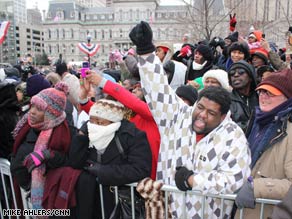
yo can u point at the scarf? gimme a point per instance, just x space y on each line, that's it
264 126
38 174
100 136
197 66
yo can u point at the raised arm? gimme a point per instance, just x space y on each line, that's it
121 94
161 98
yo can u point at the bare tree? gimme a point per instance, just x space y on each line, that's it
204 20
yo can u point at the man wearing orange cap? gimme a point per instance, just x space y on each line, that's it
270 137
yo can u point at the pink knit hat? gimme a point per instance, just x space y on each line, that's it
52 101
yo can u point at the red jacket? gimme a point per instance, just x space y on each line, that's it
143 118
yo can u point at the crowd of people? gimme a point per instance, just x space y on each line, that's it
214 116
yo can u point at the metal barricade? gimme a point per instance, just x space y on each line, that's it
10 200
7 190
172 189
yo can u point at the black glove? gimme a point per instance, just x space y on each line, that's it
245 197
93 168
141 35
181 178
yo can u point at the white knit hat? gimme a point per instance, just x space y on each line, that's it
108 109
220 75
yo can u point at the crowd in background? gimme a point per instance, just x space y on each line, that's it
141 116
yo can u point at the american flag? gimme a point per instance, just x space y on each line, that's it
3 30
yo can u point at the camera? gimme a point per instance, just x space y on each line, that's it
85 67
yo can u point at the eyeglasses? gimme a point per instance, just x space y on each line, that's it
240 71
265 92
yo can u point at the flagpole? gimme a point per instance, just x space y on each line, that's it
88 42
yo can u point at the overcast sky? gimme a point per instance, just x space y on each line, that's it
43 4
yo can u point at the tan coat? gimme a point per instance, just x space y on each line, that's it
272 174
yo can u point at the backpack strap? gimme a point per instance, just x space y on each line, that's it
119 146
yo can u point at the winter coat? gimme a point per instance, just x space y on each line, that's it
24 144
223 172
143 118
276 61
117 169
273 170
242 107
8 117
284 209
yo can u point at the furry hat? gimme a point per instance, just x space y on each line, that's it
220 75
242 47
108 109
205 51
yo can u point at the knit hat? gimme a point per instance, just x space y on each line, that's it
243 64
281 80
233 37
248 68
220 75
205 51
52 101
261 53
35 84
187 92
108 109
242 47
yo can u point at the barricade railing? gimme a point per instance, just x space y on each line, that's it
10 200
7 191
173 189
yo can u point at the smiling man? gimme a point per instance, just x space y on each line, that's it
201 147
244 98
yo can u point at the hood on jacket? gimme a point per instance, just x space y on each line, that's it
249 69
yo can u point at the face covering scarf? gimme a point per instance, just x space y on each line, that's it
100 136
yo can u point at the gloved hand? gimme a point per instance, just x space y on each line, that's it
232 22
141 35
35 159
185 51
93 168
245 197
217 41
181 178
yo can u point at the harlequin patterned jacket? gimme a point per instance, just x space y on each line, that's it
220 160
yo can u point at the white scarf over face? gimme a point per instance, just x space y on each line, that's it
197 66
100 136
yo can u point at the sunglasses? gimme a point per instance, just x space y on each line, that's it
265 93
240 71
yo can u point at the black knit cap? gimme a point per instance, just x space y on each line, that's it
233 37
248 68
206 52
187 92
281 80
243 47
